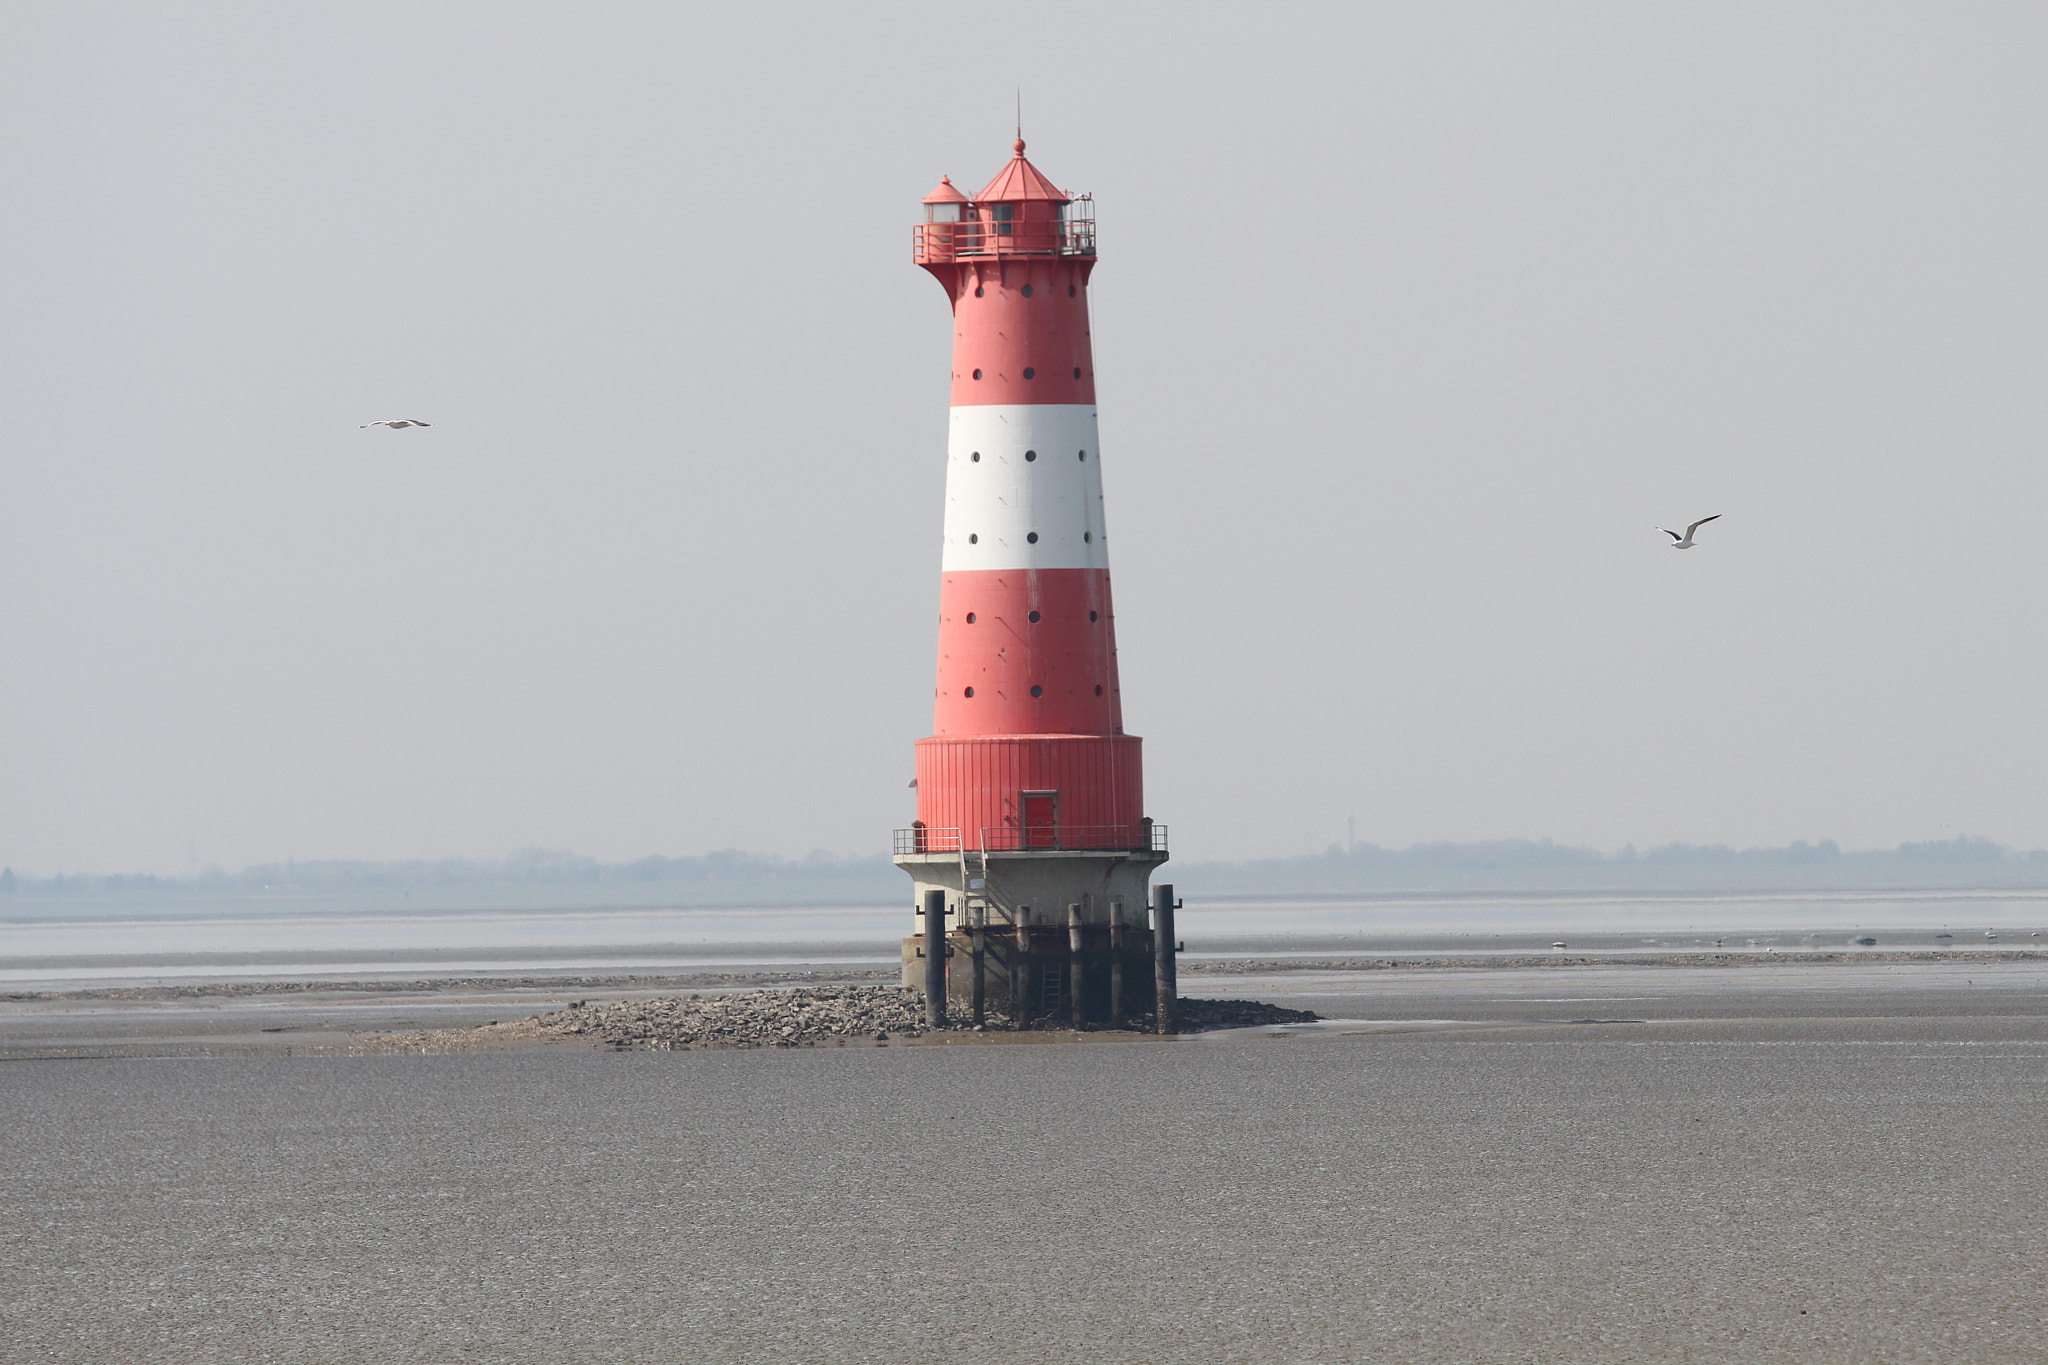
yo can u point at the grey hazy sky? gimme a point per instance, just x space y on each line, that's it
1411 321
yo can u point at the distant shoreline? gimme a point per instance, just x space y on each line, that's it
1249 965
1509 961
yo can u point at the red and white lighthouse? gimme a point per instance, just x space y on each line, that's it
1030 796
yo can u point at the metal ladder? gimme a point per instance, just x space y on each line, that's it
1052 984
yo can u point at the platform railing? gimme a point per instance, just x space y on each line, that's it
1073 235
1139 838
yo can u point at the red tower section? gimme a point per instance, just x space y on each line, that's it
1028 749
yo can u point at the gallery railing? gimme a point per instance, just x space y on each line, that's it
1143 837
1071 235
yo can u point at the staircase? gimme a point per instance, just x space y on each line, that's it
977 897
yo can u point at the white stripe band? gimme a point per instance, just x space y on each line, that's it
1018 470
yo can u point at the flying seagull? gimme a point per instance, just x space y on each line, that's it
1685 541
397 422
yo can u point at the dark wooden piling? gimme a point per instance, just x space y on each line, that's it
1116 964
977 938
935 958
1165 973
1020 970
1077 974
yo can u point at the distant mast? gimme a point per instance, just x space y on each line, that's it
1030 796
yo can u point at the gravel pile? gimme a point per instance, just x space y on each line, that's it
802 1017
789 1018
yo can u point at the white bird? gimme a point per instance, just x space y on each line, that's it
1685 541
395 423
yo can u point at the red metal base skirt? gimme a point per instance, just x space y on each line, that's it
1033 791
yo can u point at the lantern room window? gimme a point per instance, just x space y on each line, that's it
942 213
999 214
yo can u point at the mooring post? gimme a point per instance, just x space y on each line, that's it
1116 963
935 958
978 938
1020 970
1165 975
1077 975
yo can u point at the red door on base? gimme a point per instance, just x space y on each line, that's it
1041 819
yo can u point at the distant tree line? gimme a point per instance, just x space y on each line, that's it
527 866
1509 863
1337 866
1508 854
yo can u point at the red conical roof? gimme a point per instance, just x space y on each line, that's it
945 193
1019 180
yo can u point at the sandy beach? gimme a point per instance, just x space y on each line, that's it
1811 1161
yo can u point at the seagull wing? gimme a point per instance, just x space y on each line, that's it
1669 532
1701 522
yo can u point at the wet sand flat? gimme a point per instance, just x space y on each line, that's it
283 1016
1779 990
240 1018
1760 1170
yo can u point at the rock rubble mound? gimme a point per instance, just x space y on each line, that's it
801 1017
785 1018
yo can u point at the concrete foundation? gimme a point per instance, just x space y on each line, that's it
1020 903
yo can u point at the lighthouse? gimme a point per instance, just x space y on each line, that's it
1032 853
